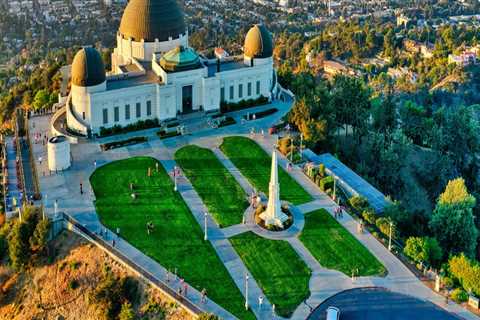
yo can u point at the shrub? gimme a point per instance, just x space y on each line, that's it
467 272
73 284
139 125
369 215
448 282
208 316
18 246
122 143
74 265
155 309
326 183
321 170
126 313
423 250
358 203
284 145
383 224
459 295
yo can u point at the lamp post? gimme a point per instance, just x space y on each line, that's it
301 145
205 222
246 291
292 148
390 237
175 178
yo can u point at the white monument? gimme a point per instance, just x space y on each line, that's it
274 215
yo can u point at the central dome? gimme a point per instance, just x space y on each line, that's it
152 19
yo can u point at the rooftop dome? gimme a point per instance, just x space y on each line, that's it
88 68
152 19
258 42
180 59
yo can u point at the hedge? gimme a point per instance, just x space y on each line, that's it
139 125
326 183
242 104
122 143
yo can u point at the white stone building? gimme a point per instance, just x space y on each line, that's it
156 75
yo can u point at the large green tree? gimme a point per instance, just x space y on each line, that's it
452 220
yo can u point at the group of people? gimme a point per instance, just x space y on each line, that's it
338 212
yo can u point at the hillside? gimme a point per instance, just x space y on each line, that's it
63 289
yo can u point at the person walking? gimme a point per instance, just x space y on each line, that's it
204 295
260 302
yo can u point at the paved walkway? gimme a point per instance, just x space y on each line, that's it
65 186
13 192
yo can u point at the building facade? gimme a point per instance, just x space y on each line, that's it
156 75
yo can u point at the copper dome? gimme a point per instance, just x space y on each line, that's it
152 19
88 68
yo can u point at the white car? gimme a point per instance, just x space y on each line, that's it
333 313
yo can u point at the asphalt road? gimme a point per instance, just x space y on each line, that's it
380 304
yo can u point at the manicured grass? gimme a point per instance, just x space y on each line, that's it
277 268
335 248
177 239
255 165
220 192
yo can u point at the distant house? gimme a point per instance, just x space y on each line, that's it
220 53
333 68
426 50
467 57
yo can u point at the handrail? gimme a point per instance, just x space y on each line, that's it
184 301
36 183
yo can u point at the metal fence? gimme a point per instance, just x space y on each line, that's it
110 249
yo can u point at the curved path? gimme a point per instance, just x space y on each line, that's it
380 304
324 282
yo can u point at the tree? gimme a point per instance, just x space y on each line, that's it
423 250
38 241
18 247
452 220
126 313
41 99
466 271
384 115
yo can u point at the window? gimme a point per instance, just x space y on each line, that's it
127 112
240 90
105 116
83 115
138 108
231 93
258 87
222 94
116 114
249 89
149 108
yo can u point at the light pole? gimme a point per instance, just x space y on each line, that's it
301 145
292 148
175 178
334 189
205 222
390 237
246 291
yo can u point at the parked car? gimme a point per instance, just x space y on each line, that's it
333 313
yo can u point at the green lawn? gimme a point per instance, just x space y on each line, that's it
335 248
279 271
255 165
219 190
177 241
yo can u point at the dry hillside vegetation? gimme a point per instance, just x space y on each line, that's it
66 287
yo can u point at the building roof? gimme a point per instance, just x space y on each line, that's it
88 68
180 59
152 19
258 42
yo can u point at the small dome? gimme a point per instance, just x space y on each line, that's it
88 68
152 19
258 42
180 59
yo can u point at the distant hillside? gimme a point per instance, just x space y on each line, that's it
64 288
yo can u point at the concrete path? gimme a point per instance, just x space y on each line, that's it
13 192
65 188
